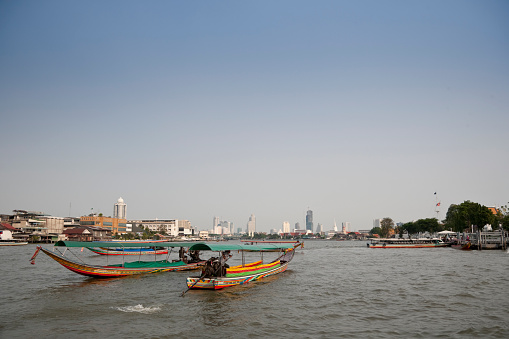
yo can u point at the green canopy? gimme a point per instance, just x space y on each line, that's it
240 247
123 244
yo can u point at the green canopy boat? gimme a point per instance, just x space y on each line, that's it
126 268
216 274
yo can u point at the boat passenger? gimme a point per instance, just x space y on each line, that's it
195 256
223 259
182 253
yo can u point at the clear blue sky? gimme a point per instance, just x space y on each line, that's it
194 109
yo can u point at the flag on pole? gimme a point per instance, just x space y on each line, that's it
438 204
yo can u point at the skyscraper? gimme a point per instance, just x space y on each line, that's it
309 221
286 227
251 225
319 228
120 209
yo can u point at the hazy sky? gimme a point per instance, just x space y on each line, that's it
194 109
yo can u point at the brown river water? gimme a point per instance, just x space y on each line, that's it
332 289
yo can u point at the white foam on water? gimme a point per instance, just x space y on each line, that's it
139 309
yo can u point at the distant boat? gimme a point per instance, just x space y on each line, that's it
12 243
123 247
128 251
406 243
464 247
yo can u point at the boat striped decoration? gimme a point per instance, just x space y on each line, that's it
256 263
242 271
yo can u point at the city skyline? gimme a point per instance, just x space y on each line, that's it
189 110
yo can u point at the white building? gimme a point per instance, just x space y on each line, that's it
286 227
171 227
251 225
120 209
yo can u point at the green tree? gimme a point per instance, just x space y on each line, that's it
387 225
505 222
502 218
464 216
430 225
376 230
410 227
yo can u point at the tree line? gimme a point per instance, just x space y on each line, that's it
465 217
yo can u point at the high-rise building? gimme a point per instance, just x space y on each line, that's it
251 225
377 222
226 227
309 221
120 209
297 226
286 227
215 222
319 228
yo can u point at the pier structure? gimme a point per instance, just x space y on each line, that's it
495 240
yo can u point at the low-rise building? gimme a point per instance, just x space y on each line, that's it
170 227
87 233
116 226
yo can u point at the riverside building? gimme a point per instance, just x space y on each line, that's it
172 227
115 225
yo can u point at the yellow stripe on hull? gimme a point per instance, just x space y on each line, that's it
222 282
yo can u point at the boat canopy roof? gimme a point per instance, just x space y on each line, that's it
446 232
241 247
118 244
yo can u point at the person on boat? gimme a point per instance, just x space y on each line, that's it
224 258
182 253
222 261
212 268
195 256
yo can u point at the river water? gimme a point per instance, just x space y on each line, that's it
332 289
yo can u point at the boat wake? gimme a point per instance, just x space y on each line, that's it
139 309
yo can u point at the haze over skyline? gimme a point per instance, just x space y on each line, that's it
188 110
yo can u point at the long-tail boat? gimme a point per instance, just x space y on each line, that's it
216 274
464 247
123 269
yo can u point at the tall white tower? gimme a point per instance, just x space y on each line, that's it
286 227
120 209
251 225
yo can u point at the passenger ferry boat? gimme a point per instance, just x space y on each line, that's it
406 243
